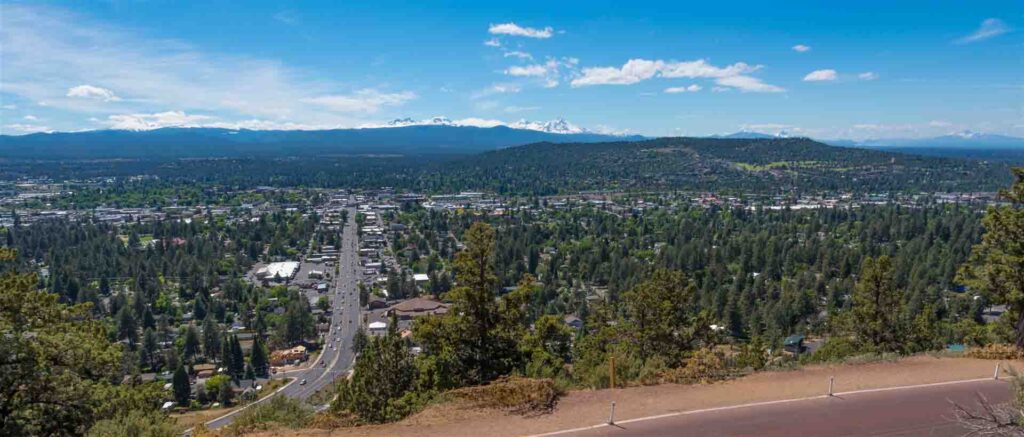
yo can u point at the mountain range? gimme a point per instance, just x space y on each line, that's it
406 136
403 136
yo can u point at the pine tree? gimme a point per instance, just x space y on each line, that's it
258 359
190 348
236 365
996 265
876 308
182 389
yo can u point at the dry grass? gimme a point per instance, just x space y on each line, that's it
996 352
523 396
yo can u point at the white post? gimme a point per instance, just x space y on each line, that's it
611 417
996 375
831 384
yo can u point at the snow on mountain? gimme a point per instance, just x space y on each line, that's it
556 126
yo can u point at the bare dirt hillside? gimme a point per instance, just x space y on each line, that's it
590 407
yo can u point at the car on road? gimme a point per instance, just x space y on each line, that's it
303 382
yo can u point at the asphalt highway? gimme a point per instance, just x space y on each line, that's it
337 360
919 411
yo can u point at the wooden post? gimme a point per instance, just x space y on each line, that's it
611 371
831 383
996 375
611 416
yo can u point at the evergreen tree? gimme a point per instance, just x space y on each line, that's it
190 347
258 359
211 338
876 307
182 389
382 377
996 265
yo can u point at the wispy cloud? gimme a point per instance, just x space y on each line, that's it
821 76
288 17
513 29
683 89
801 48
364 101
989 28
868 75
79 65
516 109
518 54
527 70
638 70
493 42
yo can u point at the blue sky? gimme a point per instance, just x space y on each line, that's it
862 70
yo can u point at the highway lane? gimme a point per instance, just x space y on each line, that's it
919 411
344 321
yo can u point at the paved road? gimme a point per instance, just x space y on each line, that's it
923 411
344 321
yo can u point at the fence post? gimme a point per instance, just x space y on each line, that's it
996 375
611 416
831 384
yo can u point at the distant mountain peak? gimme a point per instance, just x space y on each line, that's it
555 126
967 134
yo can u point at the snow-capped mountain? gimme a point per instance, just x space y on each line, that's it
556 126
752 135
963 139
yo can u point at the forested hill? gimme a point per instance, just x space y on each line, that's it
713 164
768 165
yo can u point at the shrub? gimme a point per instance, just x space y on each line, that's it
835 349
135 423
525 396
278 411
704 366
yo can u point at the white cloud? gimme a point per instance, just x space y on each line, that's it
701 68
528 70
92 92
30 117
801 48
637 70
493 42
515 30
820 75
868 75
9 106
156 120
989 28
633 71
364 101
683 89
518 54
